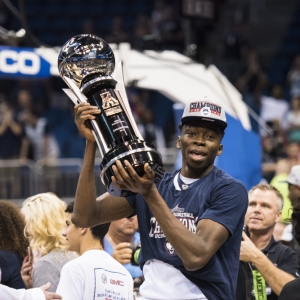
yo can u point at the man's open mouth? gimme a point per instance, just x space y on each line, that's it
197 154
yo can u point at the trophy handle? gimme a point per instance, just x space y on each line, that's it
95 128
121 94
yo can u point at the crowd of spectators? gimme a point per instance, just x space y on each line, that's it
277 106
36 119
274 108
39 239
40 247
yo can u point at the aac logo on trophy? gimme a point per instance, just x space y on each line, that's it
110 105
86 64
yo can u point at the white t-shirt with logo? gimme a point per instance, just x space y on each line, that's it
95 275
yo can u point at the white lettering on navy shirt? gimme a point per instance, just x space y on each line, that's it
186 218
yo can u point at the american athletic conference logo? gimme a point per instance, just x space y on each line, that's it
109 104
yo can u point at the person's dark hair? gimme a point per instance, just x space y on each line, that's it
196 123
296 220
98 231
70 208
12 226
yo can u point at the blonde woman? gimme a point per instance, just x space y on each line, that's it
45 220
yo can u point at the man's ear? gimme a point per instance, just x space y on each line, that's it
83 231
278 216
178 144
220 150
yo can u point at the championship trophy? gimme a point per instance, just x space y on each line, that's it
86 64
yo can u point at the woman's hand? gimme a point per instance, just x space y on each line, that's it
26 272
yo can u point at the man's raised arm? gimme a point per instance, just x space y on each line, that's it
87 211
85 208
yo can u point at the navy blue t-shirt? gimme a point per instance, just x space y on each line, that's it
10 265
218 197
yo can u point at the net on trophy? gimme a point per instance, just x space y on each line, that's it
86 64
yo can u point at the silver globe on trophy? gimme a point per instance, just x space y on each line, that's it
86 64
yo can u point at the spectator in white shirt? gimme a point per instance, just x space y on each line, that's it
274 107
95 274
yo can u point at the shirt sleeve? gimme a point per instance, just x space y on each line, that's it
7 293
289 262
71 283
44 272
290 291
227 206
131 200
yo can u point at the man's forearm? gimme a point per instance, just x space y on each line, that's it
85 198
193 249
275 277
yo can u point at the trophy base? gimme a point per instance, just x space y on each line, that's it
137 153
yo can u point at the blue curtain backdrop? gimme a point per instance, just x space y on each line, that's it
241 157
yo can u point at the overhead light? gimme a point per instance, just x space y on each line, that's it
10 37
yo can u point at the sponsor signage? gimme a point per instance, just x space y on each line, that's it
22 62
